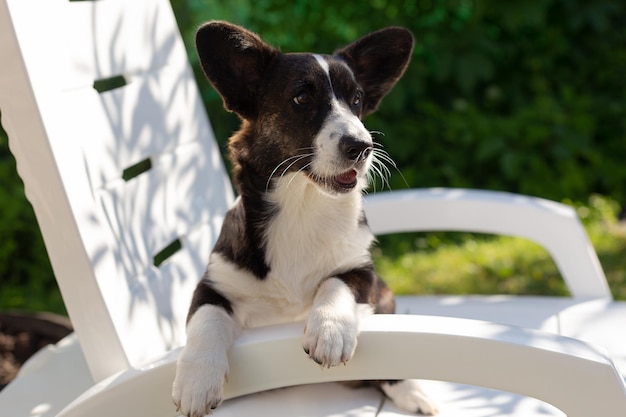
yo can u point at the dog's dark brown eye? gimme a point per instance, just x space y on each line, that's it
302 99
356 100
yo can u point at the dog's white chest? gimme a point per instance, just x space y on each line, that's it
313 235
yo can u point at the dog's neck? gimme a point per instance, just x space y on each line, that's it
312 229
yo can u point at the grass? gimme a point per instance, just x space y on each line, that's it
453 263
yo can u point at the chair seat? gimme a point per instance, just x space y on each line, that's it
334 399
593 321
58 374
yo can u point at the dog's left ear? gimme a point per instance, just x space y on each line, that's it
378 60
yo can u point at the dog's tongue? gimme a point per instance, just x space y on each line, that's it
347 178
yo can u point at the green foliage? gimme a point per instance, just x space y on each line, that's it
523 96
26 278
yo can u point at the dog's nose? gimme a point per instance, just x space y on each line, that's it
353 148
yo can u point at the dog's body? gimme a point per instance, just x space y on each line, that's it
295 246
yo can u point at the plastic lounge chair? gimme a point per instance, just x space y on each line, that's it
129 189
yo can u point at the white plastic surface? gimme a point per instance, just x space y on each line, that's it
554 226
567 373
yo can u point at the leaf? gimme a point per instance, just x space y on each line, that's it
472 68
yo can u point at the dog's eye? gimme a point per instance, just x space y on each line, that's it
302 98
356 100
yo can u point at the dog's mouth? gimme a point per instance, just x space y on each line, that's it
342 183
347 179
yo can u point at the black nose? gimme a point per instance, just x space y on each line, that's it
354 149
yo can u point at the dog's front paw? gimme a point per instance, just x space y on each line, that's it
408 396
199 384
330 340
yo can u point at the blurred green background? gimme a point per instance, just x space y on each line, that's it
526 96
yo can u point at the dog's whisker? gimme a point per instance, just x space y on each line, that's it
377 174
308 148
300 170
296 159
384 155
371 179
385 168
383 174
380 163
363 154
295 162
378 149
276 169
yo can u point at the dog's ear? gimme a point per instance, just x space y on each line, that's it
378 60
234 60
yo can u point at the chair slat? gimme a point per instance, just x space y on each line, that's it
174 197
117 129
157 321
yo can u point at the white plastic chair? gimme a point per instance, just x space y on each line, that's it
129 189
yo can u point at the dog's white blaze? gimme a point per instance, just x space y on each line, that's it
320 60
340 122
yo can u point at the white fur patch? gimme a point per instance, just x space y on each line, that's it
408 396
202 366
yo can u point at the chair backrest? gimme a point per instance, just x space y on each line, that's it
119 162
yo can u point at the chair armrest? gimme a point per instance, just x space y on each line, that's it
565 372
552 225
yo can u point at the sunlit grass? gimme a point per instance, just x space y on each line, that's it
438 263
502 265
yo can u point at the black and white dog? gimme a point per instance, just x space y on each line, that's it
296 245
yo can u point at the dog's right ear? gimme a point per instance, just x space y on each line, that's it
378 61
234 60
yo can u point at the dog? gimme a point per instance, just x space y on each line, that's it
295 246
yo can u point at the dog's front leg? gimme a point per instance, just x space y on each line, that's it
202 366
332 327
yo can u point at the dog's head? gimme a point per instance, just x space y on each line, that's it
302 112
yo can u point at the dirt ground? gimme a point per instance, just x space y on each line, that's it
23 334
